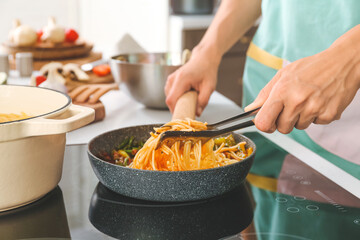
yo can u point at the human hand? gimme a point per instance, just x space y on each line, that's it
200 74
315 89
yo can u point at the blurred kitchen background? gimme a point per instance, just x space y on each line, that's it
118 26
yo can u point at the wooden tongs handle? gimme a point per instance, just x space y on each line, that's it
186 105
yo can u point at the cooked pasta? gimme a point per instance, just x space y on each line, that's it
188 154
7 117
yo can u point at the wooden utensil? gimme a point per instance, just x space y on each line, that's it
91 93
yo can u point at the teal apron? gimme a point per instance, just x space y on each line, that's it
291 30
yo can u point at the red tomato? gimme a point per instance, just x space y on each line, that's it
102 70
134 151
39 34
71 35
40 79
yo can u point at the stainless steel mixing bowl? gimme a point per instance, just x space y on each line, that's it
143 75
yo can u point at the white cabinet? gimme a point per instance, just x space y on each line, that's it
179 24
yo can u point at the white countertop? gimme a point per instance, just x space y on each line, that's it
122 111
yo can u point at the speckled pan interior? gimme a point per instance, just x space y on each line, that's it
163 186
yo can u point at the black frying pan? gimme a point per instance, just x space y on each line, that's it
165 186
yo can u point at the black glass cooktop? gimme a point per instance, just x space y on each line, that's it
282 199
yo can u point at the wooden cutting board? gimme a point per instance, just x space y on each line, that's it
50 51
98 107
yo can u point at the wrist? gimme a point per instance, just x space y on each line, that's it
346 52
348 45
348 62
210 53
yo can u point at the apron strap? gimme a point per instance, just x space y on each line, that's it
266 58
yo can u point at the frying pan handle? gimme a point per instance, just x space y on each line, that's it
75 117
186 106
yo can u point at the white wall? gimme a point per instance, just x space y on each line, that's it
36 12
106 21
103 22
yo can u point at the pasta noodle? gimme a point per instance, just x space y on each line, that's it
12 117
187 154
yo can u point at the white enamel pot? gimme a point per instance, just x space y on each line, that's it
32 150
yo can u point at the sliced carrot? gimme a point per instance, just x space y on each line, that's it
102 70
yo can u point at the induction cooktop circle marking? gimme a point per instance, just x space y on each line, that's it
299 198
290 172
293 209
357 221
305 182
296 177
312 207
281 199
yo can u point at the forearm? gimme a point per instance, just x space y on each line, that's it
233 19
347 50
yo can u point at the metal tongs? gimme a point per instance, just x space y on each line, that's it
246 120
